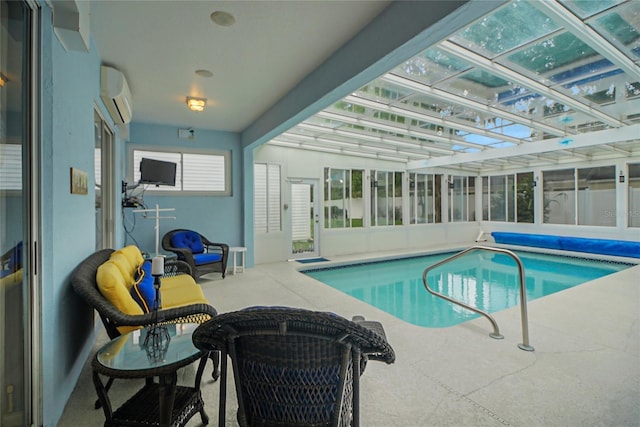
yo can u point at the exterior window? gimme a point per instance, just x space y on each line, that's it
266 198
498 198
508 198
596 196
559 196
195 172
343 202
11 167
386 198
461 198
423 203
524 197
634 195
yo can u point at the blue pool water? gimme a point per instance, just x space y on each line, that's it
485 280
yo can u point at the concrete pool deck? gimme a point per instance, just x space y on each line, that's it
585 370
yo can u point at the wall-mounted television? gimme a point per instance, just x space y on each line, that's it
157 172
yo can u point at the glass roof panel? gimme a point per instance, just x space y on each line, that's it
431 66
509 27
478 85
622 26
586 8
559 58
542 82
382 91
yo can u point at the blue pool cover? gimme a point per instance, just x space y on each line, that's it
622 248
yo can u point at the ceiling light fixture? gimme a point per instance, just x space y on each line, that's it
196 104
224 19
3 80
204 73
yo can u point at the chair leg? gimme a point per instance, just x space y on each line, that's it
215 358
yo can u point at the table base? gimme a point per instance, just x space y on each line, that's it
142 408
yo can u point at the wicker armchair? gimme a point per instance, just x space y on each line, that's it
202 255
292 367
83 280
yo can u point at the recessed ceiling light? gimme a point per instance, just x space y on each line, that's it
224 19
196 104
204 73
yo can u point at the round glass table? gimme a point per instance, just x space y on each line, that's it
152 352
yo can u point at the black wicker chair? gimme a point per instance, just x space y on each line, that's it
83 280
293 367
202 255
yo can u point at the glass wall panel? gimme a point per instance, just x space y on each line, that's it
559 196
471 206
485 198
356 213
498 195
634 195
343 203
511 199
386 198
397 198
525 200
15 144
458 199
597 196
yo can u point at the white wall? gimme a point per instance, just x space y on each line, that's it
295 164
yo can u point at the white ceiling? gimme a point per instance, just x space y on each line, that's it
473 75
159 45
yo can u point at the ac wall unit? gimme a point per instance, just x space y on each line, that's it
115 94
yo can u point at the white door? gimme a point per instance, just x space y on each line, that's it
304 219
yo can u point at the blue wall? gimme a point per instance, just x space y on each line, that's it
70 91
219 218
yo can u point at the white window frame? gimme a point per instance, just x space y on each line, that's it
134 171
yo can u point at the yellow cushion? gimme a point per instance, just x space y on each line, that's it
11 280
116 290
181 290
124 266
132 254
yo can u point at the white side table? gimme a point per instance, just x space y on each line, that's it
235 250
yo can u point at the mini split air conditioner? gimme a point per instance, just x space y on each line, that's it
115 94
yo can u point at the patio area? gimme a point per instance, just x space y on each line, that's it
584 370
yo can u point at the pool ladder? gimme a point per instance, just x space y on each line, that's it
523 293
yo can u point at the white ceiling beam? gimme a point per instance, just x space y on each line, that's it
509 75
466 102
368 138
383 145
608 136
411 130
564 17
431 119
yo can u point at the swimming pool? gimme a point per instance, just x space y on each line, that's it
485 280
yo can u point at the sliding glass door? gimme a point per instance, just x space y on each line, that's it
16 213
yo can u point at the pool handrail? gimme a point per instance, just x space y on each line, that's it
523 293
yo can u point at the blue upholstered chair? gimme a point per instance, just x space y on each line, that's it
202 255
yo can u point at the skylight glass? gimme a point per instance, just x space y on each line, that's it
511 78
586 8
432 66
622 27
511 26
559 58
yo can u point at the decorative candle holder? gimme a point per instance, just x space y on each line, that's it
156 343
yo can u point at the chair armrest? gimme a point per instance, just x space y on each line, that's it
193 313
175 267
377 328
208 242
